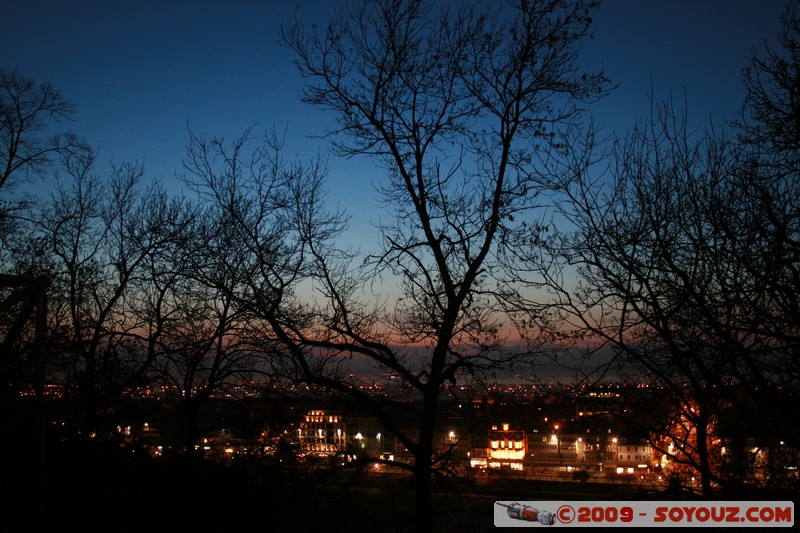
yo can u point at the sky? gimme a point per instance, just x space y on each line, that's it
143 72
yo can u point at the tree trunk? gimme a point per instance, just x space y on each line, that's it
423 495
702 452
423 468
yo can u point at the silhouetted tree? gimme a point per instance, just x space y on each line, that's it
770 117
686 252
249 254
28 111
650 268
768 232
99 236
29 115
461 109
769 228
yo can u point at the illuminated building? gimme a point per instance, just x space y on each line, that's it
507 448
631 455
322 433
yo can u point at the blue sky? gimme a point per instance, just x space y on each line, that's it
141 72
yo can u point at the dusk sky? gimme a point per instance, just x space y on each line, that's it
141 72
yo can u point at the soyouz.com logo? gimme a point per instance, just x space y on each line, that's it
644 514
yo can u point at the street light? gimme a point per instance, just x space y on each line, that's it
147 432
